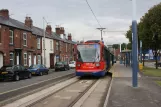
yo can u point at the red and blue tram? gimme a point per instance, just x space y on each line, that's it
93 58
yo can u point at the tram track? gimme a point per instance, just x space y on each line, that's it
75 92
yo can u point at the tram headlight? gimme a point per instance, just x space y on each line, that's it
97 64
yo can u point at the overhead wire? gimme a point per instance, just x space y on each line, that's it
93 13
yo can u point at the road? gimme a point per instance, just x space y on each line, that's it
11 85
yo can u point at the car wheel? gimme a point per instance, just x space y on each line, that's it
30 75
65 69
40 74
17 78
47 72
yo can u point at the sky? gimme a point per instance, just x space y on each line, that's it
77 19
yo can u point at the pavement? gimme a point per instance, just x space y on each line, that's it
6 86
122 94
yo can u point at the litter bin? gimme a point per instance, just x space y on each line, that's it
140 66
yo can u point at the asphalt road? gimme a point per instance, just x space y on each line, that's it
11 85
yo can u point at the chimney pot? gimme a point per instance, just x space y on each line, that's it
28 22
49 29
4 13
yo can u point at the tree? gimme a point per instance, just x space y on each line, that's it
116 46
149 24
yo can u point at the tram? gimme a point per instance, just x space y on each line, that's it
93 58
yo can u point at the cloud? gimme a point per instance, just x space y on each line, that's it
76 17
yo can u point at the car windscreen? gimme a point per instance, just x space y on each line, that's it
59 63
88 53
5 68
34 66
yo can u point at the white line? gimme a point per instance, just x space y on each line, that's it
33 84
85 96
108 95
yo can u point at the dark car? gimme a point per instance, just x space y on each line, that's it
61 66
15 72
38 69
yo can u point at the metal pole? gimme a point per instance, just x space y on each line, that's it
135 44
101 29
44 40
101 35
140 51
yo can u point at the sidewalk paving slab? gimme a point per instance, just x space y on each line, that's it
147 94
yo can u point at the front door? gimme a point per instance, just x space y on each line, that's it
34 59
18 58
30 59
1 60
51 60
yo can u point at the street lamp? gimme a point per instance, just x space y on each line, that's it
44 38
134 47
101 29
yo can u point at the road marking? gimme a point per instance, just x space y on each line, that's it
108 94
32 84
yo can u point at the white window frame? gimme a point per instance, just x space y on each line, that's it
12 59
11 36
25 39
39 59
38 43
57 45
25 59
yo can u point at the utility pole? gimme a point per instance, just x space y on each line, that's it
101 29
44 39
135 68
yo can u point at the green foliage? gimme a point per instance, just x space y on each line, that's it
149 24
151 72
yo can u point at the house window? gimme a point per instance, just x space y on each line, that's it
38 43
39 59
11 37
25 58
24 39
51 48
11 58
66 47
57 45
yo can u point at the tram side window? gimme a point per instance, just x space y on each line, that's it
105 55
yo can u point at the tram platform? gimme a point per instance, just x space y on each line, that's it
122 94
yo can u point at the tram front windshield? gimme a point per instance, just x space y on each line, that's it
88 53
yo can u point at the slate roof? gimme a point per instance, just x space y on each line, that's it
35 30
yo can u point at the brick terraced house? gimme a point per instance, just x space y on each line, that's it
23 43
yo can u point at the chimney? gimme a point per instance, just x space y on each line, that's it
4 13
49 29
70 37
62 30
57 29
28 22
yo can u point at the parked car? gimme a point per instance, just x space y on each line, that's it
61 66
15 72
72 64
38 69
